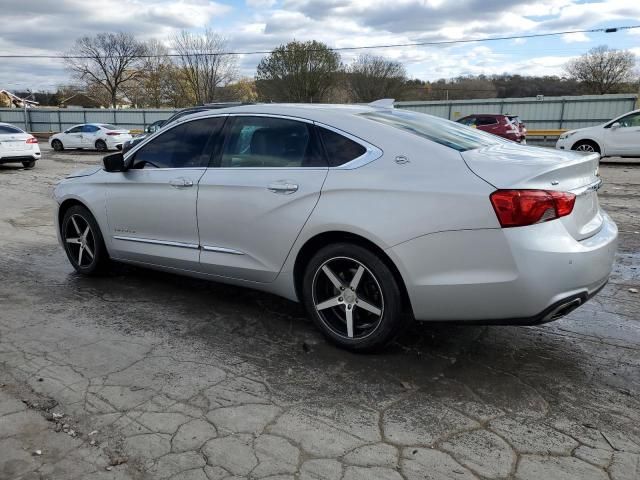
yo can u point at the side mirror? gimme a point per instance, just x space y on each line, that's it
114 162
615 125
148 129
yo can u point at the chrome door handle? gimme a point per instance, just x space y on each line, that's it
180 182
286 188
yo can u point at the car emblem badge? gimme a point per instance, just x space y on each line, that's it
402 160
555 182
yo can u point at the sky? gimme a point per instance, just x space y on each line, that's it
50 27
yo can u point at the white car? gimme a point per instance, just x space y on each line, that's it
368 215
17 146
99 136
617 137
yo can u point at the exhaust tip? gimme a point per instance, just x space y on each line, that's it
563 309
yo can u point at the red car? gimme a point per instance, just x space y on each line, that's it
507 126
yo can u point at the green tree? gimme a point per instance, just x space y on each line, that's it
298 72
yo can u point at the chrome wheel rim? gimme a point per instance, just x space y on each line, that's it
80 240
348 298
585 147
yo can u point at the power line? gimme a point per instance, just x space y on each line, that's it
343 49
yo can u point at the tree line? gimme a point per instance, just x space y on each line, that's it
191 69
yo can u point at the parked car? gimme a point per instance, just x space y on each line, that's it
617 137
158 124
99 136
18 146
369 216
506 126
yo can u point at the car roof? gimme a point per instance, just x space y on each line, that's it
320 112
489 115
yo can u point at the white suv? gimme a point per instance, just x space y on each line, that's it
617 137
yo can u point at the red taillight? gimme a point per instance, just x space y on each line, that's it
517 208
113 133
32 140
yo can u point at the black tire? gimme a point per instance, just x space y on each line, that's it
376 288
586 146
57 145
74 225
29 164
101 146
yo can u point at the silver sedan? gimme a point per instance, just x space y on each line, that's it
370 216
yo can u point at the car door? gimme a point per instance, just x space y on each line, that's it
89 135
72 138
151 207
257 196
623 136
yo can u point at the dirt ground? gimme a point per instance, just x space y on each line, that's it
143 375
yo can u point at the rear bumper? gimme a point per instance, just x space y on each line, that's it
18 157
504 276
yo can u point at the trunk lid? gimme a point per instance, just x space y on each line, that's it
13 142
512 166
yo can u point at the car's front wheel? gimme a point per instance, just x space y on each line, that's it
353 297
83 241
586 146
57 145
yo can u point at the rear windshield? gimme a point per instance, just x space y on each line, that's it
106 126
447 133
9 129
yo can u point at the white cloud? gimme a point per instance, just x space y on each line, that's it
575 37
260 3
53 26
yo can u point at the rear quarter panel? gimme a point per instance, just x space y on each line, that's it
390 203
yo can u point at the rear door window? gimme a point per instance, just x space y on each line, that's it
269 142
486 121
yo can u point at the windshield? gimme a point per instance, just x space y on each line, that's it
447 133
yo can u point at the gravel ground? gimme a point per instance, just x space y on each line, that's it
143 375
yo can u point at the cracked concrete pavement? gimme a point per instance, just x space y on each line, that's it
143 375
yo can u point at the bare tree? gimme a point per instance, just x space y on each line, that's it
298 72
156 70
107 60
374 77
601 70
204 64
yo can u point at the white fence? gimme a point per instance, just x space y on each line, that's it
59 119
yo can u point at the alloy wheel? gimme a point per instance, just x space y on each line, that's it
585 147
80 240
348 298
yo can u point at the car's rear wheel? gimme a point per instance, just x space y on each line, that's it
586 146
101 146
29 164
57 145
353 297
83 241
